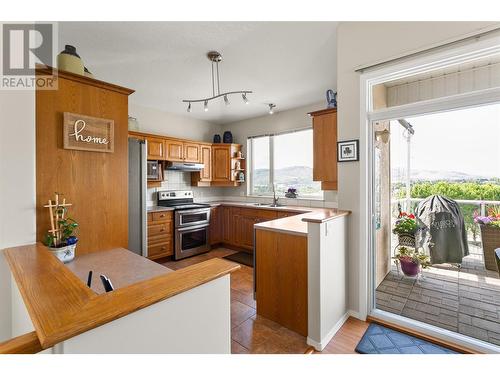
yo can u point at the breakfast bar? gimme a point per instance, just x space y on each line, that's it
152 309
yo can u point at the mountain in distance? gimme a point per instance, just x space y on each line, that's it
291 176
432 175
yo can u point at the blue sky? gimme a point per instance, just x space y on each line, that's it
463 141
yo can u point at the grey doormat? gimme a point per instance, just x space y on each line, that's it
241 257
381 340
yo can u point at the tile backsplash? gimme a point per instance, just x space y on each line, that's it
176 180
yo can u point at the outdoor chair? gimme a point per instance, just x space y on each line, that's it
497 258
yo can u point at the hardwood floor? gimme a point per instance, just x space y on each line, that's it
253 334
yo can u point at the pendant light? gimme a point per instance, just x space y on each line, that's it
215 57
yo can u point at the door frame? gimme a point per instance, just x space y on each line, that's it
425 63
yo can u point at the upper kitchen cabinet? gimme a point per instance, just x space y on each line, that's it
192 152
174 150
227 165
156 148
204 177
325 148
221 163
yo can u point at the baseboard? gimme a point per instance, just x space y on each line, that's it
356 314
319 346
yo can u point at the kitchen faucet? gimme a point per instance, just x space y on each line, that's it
275 200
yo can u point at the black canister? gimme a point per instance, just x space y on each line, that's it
217 138
228 137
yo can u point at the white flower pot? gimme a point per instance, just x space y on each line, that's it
64 254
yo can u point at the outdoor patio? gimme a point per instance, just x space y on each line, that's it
465 300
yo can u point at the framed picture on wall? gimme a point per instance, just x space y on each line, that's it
348 150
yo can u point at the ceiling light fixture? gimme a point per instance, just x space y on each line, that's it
215 57
271 108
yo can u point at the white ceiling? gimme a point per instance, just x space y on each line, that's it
288 63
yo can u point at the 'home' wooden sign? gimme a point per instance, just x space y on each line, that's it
87 133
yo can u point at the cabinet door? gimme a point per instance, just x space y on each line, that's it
325 147
192 152
206 159
221 163
229 218
215 225
245 232
174 150
156 149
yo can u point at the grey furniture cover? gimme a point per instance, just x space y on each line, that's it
442 232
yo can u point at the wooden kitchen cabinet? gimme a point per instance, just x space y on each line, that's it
221 163
160 234
206 159
174 150
192 152
156 148
215 225
228 216
325 148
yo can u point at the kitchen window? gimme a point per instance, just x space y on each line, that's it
285 160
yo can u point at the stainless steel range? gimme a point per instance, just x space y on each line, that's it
192 220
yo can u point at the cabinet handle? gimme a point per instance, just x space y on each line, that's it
162 215
162 229
163 247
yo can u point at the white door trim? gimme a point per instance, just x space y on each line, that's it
452 56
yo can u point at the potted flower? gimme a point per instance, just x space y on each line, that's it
490 235
61 238
291 193
406 228
411 260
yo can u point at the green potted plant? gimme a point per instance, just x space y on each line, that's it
412 260
61 239
490 235
406 228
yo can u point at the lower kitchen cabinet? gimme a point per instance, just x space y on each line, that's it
160 234
215 225
234 226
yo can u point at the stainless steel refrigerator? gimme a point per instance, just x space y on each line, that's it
137 189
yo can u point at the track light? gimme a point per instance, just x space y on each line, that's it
226 100
205 106
189 107
245 99
271 108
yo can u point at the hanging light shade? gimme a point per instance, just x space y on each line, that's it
215 57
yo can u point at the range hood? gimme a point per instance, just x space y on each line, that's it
183 166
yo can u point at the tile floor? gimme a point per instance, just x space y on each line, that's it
465 300
250 333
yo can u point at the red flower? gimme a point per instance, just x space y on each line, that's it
411 216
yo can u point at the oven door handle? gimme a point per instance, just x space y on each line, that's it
191 228
193 211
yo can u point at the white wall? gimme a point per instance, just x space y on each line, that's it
280 121
179 126
17 186
360 43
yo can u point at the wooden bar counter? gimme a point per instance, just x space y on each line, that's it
61 305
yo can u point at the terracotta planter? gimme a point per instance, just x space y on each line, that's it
490 237
409 267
